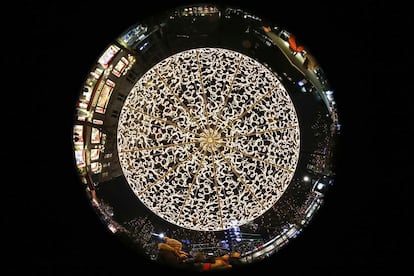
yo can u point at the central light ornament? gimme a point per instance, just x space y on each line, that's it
208 139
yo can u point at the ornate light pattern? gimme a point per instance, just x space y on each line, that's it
208 137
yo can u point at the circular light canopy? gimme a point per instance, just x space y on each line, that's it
208 139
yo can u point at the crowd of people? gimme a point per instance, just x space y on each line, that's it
170 253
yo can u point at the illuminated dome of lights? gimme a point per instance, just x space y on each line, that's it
215 135
209 125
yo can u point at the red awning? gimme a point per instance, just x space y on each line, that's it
293 46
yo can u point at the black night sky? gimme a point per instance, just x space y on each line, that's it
363 227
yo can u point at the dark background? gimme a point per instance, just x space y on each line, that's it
364 49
